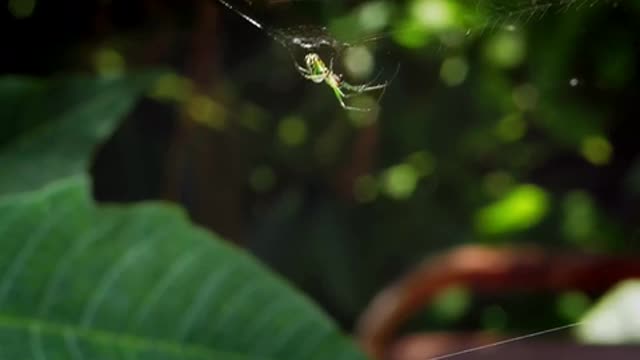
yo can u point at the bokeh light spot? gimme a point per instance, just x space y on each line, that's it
359 62
511 127
423 162
434 14
506 49
172 87
374 16
452 303
292 131
108 62
411 34
520 209
454 71
400 181
597 150
204 110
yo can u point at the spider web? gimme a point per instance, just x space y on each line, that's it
312 37
299 40
305 38
507 12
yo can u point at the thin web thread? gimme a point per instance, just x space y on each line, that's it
507 341
253 21
309 37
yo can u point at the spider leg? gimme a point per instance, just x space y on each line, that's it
340 95
352 108
302 70
306 73
359 89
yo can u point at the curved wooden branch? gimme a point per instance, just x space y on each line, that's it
486 270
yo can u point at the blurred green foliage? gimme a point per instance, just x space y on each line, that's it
508 122
110 282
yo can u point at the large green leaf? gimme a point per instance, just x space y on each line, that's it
85 282
16 93
58 123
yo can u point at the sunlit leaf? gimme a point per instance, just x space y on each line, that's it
87 282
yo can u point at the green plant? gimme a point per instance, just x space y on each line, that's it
82 280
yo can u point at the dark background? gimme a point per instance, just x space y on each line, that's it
340 202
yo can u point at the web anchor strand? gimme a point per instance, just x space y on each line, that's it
507 341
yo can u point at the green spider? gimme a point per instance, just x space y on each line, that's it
315 69
318 72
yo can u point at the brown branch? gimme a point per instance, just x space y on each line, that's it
362 161
486 270
206 168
